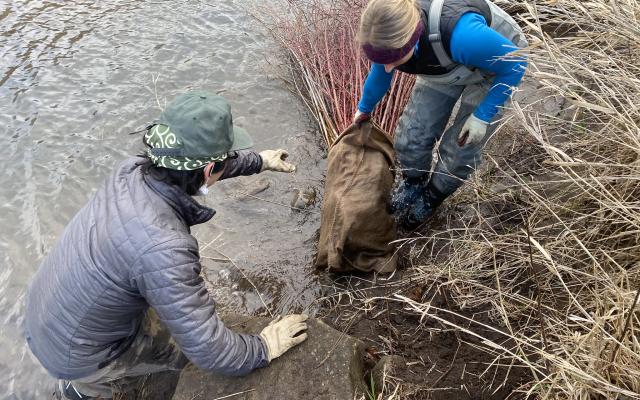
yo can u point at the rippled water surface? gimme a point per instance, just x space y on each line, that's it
75 78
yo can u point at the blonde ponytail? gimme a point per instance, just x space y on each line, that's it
388 24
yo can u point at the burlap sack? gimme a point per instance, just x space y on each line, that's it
356 228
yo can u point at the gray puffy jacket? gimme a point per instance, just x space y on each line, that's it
130 248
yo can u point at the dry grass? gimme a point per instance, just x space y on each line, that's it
550 242
555 251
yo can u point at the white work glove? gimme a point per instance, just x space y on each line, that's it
274 160
280 334
360 117
473 131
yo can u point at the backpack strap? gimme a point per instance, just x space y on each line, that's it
435 38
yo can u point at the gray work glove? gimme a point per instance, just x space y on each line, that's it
473 131
274 160
280 334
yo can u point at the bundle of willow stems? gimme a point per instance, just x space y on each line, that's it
562 284
328 70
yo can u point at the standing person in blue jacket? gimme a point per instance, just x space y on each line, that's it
458 48
120 294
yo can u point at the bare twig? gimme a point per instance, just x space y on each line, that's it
626 327
234 394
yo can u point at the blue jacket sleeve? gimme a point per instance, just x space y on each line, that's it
475 44
375 87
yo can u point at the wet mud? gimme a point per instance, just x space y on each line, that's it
423 358
430 360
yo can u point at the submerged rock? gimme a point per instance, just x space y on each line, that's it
253 188
327 366
303 198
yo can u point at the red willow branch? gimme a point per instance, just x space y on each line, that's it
320 39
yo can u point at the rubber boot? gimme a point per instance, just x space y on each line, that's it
417 214
407 194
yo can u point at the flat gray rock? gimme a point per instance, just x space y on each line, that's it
327 366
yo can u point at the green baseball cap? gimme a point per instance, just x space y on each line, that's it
194 130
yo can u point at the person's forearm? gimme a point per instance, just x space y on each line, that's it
169 279
500 91
474 43
375 87
248 162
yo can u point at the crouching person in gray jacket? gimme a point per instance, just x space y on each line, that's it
120 295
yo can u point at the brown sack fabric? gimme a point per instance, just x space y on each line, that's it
356 228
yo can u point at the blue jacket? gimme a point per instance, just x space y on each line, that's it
127 249
475 44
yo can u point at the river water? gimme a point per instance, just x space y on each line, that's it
75 78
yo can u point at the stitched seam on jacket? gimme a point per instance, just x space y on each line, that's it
168 286
152 249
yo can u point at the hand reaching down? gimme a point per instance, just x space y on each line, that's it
274 160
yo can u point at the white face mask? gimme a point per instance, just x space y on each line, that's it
202 190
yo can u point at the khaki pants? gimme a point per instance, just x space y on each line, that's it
153 350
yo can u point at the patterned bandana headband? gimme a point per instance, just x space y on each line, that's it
389 56
165 150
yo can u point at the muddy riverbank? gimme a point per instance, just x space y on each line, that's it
451 350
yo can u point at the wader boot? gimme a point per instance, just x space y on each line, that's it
409 201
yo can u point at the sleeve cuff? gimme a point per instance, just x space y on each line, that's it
483 116
264 356
364 109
